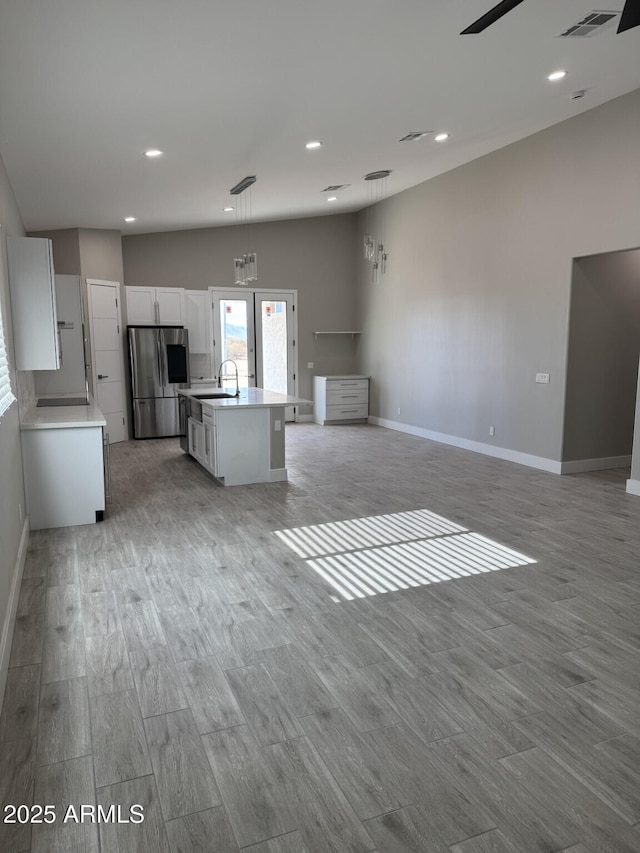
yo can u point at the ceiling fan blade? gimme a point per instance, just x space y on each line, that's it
492 16
630 16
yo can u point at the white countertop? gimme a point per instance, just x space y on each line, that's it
345 376
62 417
249 398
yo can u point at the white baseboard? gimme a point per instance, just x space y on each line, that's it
540 462
604 463
633 487
12 607
304 419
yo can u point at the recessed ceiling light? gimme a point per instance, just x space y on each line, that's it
129 219
154 152
313 144
228 209
556 75
440 137
333 198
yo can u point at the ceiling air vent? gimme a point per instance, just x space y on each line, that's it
590 25
415 134
332 188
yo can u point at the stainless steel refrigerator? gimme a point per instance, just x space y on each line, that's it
159 364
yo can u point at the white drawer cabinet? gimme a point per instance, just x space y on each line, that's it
340 399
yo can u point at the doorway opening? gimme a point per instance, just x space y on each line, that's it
602 362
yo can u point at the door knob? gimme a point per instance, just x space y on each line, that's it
103 376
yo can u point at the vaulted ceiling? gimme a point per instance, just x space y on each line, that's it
229 88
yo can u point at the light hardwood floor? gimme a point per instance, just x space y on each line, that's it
180 656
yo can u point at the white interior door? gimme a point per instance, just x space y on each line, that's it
107 359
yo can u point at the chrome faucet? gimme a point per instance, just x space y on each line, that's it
221 377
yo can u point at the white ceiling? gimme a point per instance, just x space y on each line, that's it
228 88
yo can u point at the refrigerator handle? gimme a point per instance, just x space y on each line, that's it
159 343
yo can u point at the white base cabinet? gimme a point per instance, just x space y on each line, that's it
64 476
340 399
241 445
196 440
236 446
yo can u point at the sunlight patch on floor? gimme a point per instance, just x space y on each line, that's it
357 533
385 553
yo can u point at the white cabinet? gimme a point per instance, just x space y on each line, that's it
196 440
33 303
64 475
211 455
340 399
197 319
239 445
155 306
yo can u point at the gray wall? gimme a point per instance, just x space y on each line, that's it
602 362
476 299
66 249
313 256
11 480
100 254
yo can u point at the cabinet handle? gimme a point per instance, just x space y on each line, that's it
103 376
348 396
107 468
348 411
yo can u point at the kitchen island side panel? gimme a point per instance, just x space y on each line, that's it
64 476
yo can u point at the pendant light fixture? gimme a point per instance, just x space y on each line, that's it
245 267
374 249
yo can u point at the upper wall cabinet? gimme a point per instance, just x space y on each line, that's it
197 319
33 303
155 306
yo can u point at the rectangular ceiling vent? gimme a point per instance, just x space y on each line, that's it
335 187
415 134
592 24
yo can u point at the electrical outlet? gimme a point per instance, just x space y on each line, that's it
543 378
492 430
398 409
277 426
310 365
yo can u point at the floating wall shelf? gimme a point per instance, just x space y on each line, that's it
353 334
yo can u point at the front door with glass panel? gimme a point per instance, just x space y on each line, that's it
256 330
234 335
275 343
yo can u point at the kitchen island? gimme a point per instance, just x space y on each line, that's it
63 462
238 439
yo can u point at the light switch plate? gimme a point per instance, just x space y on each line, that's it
544 378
